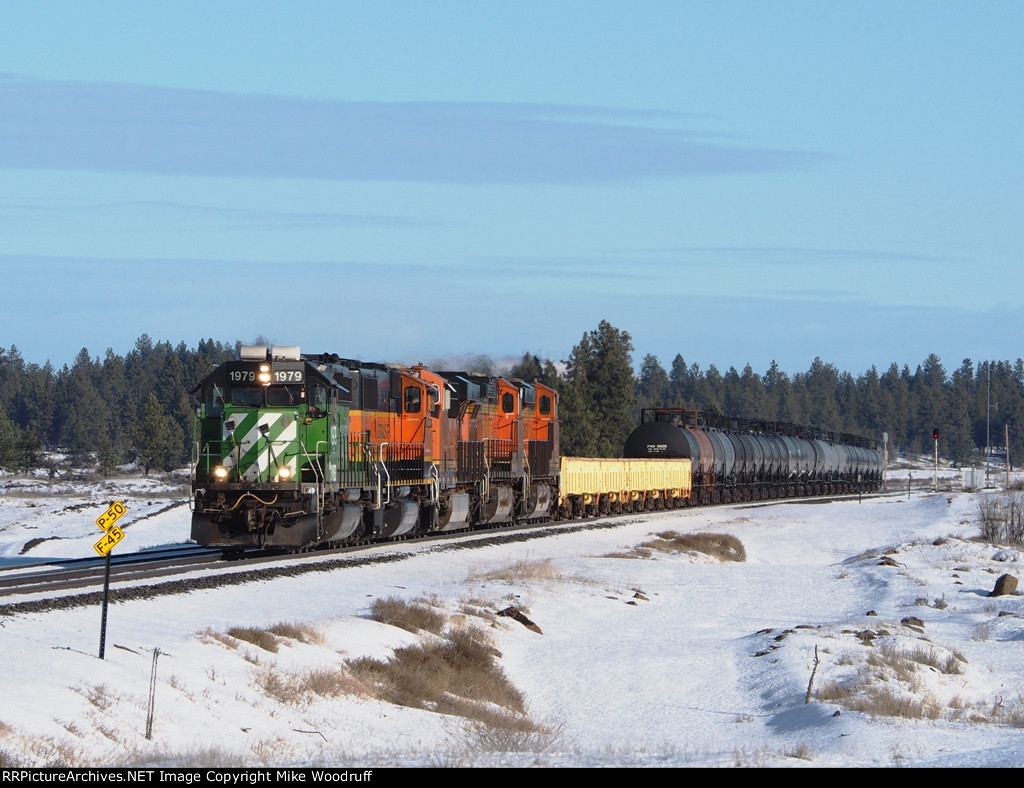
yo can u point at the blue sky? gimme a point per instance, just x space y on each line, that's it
736 182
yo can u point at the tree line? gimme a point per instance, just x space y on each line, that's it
132 408
601 398
140 408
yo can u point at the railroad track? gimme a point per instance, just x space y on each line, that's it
72 583
70 574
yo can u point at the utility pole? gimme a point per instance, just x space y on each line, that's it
935 437
988 421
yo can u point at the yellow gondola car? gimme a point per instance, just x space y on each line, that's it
604 485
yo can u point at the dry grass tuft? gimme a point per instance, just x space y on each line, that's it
890 683
503 731
267 639
908 660
479 608
208 634
411 616
886 701
303 633
724 547
330 682
639 552
293 689
458 674
519 571
48 752
262 638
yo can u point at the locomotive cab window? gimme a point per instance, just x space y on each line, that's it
412 401
508 403
247 396
317 402
284 395
215 401
545 405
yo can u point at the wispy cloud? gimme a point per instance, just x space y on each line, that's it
174 214
778 255
103 127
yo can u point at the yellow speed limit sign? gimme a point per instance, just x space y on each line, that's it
110 538
111 516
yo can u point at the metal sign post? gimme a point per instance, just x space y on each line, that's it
111 536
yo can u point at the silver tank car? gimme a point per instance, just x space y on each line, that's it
743 460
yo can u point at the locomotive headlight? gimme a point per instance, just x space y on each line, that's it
263 376
284 473
220 472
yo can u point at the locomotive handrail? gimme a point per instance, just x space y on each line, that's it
526 478
435 484
197 455
314 463
380 494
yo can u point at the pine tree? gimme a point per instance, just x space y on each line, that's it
653 388
8 441
106 458
781 401
818 395
679 378
712 392
959 443
86 416
597 405
173 397
151 444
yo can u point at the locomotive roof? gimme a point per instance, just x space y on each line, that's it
219 374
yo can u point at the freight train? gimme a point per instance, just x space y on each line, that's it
296 451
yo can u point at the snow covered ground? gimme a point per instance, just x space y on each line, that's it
642 659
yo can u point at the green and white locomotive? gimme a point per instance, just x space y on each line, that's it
271 444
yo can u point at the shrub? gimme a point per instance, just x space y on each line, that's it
448 675
292 688
518 571
724 547
503 731
411 616
258 637
1001 518
303 633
